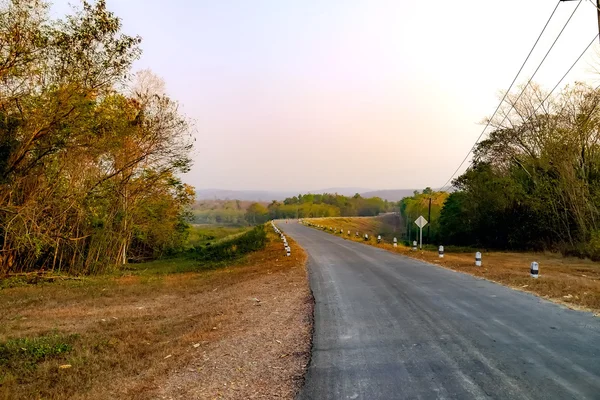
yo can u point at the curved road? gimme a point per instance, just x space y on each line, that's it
390 327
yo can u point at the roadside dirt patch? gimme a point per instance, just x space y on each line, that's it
238 332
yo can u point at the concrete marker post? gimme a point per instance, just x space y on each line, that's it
414 245
366 237
395 242
478 259
378 238
441 251
535 269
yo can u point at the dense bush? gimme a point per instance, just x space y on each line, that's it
90 153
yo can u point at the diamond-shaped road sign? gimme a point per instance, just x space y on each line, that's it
421 222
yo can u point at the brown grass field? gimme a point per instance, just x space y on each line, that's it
570 281
237 332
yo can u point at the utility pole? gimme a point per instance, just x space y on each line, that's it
597 10
429 219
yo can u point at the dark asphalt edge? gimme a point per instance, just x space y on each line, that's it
302 380
312 330
555 302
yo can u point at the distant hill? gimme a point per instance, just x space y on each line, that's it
269 195
250 195
390 195
344 191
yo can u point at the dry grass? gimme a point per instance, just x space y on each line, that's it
353 224
566 280
184 335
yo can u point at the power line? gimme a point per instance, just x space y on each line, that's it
505 94
511 85
512 106
558 83
563 77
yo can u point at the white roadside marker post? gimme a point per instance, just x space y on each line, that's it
395 242
366 237
414 245
348 233
441 251
535 269
288 251
478 259
378 238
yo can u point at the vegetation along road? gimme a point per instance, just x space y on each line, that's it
387 326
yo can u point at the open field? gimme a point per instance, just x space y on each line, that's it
572 281
167 329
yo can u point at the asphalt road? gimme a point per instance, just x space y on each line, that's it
390 327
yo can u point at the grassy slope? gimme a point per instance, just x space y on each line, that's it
202 234
166 328
571 281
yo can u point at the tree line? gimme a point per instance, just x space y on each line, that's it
89 152
427 203
534 183
318 206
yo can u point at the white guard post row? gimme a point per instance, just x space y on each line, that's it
288 249
534 269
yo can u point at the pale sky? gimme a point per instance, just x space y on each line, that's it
309 94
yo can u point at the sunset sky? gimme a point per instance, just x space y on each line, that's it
303 95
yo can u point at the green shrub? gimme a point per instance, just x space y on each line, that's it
26 353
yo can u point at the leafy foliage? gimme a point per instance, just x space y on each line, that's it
88 162
418 204
535 182
327 205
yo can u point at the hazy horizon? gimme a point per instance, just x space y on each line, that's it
376 94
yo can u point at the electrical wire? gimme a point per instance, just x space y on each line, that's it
539 66
558 83
564 76
511 85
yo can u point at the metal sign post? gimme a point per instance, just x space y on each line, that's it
421 222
